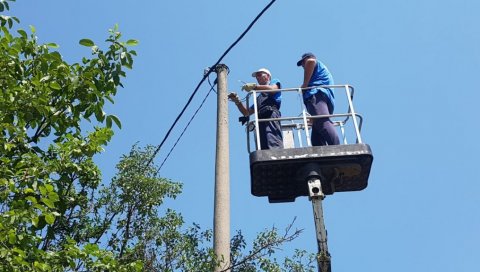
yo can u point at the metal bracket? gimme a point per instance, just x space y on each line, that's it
315 189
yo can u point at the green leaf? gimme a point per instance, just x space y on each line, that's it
53 196
31 199
43 190
49 187
55 55
52 45
116 120
12 238
32 29
48 202
23 33
132 42
8 146
35 221
99 113
49 218
40 207
87 42
55 86
109 122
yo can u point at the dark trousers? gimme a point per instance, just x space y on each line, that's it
323 131
271 133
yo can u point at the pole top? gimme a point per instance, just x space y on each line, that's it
220 67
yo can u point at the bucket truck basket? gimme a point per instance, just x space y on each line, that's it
282 174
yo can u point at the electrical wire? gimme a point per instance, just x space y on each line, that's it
205 76
212 88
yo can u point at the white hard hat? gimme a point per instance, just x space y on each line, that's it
265 70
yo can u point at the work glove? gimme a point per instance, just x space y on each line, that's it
249 86
234 97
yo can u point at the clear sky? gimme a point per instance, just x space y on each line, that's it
415 67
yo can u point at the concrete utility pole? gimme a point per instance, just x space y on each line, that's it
221 225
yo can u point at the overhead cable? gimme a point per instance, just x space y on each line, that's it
212 88
205 77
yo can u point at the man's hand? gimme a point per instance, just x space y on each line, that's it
234 97
249 86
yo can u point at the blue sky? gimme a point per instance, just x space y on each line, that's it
415 67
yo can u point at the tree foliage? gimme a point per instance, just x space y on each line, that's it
56 213
47 174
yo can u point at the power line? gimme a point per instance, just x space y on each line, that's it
212 88
206 76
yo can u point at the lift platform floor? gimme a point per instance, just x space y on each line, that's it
282 174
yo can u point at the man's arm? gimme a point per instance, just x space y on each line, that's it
235 99
308 71
267 87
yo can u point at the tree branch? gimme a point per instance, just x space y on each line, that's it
271 244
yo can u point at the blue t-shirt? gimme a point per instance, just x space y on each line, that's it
270 99
321 76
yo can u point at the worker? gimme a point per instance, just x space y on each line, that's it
268 104
319 100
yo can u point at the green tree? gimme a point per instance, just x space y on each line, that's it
136 229
47 174
56 214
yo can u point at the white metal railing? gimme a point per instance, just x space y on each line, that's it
299 123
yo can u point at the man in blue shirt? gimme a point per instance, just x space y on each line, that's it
318 101
268 107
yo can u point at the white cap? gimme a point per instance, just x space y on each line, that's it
254 74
